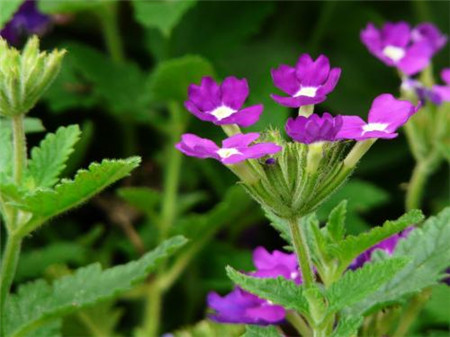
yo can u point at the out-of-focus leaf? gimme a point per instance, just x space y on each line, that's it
33 125
260 331
143 198
210 329
163 15
67 7
7 10
437 308
347 326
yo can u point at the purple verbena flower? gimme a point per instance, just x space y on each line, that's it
423 93
388 246
240 306
443 90
397 45
222 104
309 82
386 115
26 21
234 149
314 128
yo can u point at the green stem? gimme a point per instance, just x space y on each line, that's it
111 32
302 252
19 148
357 152
9 264
152 311
416 186
299 324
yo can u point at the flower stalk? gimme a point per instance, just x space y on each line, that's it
302 251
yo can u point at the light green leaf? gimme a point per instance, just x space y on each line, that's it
163 15
6 151
33 125
347 326
336 222
279 291
357 285
50 329
47 203
429 252
208 328
38 302
348 249
437 308
48 160
171 79
260 331
7 10
66 7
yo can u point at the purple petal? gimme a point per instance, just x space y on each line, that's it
234 92
261 150
442 91
417 58
192 108
240 140
296 102
315 73
352 128
302 67
371 38
396 34
195 146
389 110
331 82
245 117
284 79
445 75
205 96
430 33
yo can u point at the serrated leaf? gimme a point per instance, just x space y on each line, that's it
171 79
49 159
277 290
336 222
38 302
356 285
47 203
163 15
347 326
7 10
260 331
349 248
429 253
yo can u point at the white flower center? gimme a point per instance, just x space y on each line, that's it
374 127
294 275
394 53
227 152
222 112
306 91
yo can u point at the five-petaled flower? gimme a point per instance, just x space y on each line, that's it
314 128
234 149
397 45
240 306
222 104
309 82
386 115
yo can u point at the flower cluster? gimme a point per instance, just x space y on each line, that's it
240 306
437 93
26 21
398 45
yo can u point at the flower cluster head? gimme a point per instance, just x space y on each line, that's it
309 82
222 104
397 45
26 21
240 306
314 128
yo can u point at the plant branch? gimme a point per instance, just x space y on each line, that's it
302 252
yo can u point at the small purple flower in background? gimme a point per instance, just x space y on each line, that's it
423 93
26 21
239 306
386 115
397 45
234 149
314 128
388 245
309 82
221 104
443 90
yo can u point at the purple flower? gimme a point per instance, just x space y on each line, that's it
309 82
386 115
314 128
423 93
240 306
388 245
221 104
443 90
399 46
26 21
234 149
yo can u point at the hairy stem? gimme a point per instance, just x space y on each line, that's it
299 324
20 148
302 252
416 186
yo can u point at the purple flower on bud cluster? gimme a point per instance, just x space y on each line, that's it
314 128
234 149
222 104
386 115
26 21
443 90
239 306
398 46
388 246
423 93
309 82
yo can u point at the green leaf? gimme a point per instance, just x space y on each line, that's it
33 125
66 7
208 328
171 79
7 10
6 154
279 291
48 160
163 15
336 222
347 326
348 249
260 331
47 203
437 307
50 329
429 253
357 285
38 302
143 198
